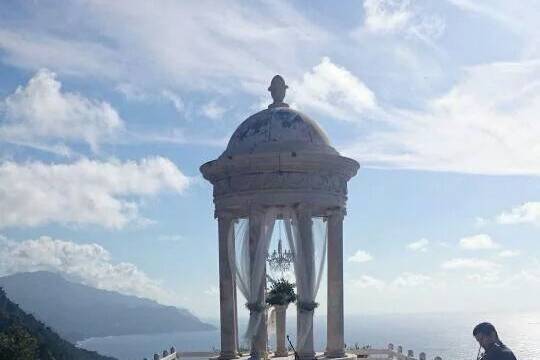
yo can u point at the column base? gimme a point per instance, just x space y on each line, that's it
281 354
227 356
336 354
307 356
257 356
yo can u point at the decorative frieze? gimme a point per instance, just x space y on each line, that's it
333 184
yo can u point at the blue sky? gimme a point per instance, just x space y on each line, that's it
107 109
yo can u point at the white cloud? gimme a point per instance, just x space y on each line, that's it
400 16
172 238
213 111
408 279
366 281
334 91
84 192
468 263
386 15
480 222
420 245
144 43
31 50
132 92
175 99
486 124
212 291
90 264
489 277
508 253
41 111
528 213
478 242
361 256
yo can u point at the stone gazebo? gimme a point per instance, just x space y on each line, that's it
280 158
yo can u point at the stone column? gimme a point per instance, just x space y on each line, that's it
335 346
237 341
281 325
226 291
259 342
306 251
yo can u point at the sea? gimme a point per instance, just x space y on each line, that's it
448 335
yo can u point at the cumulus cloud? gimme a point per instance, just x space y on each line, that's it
41 112
494 107
408 279
83 192
332 90
361 256
89 264
420 245
478 242
527 213
468 263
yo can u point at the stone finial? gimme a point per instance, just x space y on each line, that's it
400 349
173 350
277 89
422 356
165 353
410 354
390 346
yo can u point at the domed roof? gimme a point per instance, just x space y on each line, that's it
278 128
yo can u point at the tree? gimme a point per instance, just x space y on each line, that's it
17 343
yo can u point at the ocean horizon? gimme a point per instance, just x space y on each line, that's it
448 335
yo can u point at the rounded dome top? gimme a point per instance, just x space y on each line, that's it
278 129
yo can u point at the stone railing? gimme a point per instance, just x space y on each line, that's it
366 352
389 353
170 354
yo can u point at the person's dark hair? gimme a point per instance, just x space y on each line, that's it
484 328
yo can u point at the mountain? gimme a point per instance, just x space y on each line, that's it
78 312
22 337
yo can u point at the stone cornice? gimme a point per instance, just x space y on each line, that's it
279 162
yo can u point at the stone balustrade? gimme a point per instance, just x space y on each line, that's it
388 353
170 354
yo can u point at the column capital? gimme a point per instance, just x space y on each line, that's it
256 209
338 212
304 210
223 214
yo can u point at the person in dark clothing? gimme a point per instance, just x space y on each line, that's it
494 349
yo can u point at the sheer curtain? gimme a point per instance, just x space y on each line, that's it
308 268
305 263
251 278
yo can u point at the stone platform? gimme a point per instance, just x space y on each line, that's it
318 356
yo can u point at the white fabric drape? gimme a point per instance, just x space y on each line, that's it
304 263
249 265
308 268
